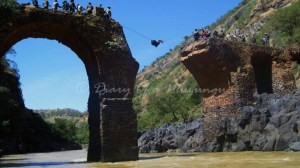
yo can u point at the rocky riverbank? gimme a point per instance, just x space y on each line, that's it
270 123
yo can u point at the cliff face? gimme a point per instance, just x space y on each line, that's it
250 18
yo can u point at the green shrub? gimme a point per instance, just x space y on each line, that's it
285 25
82 133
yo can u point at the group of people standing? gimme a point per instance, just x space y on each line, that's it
71 7
247 39
197 34
203 34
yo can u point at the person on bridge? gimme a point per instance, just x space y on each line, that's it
156 43
55 6
89 8
207 33
107 13
46 4
72 6
66 5
80 9
35 3
196 35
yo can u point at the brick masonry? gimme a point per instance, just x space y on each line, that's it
240 69
101 45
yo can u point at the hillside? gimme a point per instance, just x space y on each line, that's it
50 115
164 90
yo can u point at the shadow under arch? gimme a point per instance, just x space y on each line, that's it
110 140
262 67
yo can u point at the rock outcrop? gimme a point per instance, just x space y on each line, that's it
270 123
260 12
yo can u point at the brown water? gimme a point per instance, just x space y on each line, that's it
167 160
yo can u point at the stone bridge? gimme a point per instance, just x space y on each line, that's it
111 70
232 72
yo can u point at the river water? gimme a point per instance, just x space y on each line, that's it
166 160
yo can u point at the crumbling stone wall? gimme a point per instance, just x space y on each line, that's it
242 69
283 78
243 84
110 67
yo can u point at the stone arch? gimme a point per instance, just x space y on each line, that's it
111 73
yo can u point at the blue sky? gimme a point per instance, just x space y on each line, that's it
52 75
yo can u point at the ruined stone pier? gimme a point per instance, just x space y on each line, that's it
240 70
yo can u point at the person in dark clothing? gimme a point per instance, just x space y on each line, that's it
35 3
156 42
66 5
72 6
196 35
266 39
89 8
46 4
216 33
55 6
222 34
107 13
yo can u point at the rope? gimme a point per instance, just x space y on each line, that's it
148 38
142 35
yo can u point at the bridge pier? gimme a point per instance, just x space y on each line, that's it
118 130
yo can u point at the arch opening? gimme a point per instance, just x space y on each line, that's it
51 81
51 31
78 44
50 75
87 37
262 66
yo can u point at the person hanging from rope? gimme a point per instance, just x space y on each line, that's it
156 43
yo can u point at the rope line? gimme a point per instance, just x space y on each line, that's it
142 35
148 38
